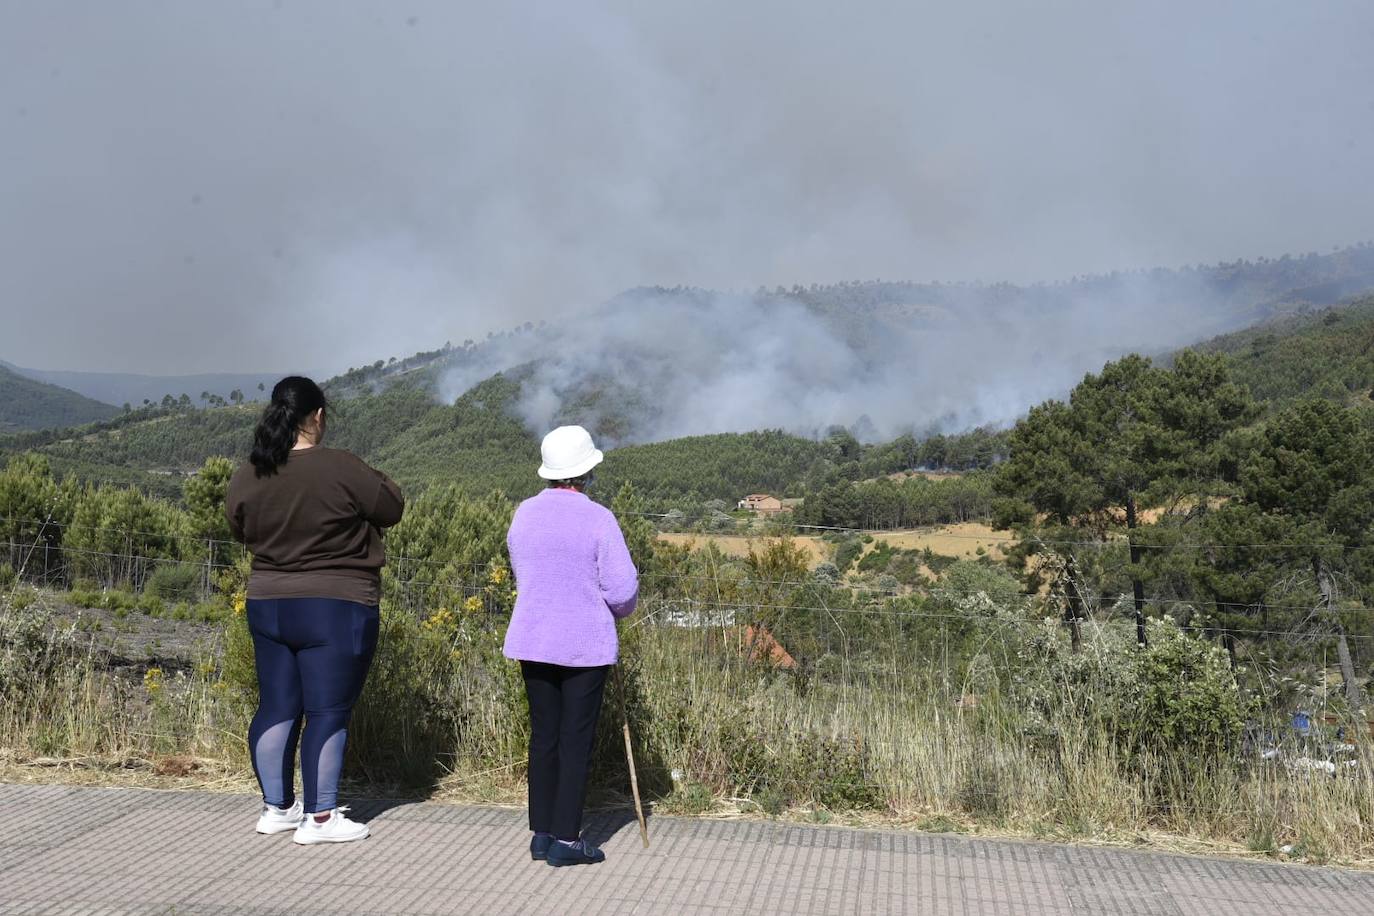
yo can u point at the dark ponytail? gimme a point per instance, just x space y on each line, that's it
293 399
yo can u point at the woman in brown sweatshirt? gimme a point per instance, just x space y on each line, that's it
313 519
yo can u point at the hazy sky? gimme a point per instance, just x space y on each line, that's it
254 184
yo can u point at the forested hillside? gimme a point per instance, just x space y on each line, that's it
1325 353
1244 290
135 388
157 447
28 404
391 413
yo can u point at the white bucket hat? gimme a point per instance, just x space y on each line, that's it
568 452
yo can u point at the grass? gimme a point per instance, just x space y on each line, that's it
968 540
963 541
738 545
877 740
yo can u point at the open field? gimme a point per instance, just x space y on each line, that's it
962 541
735 545
928 475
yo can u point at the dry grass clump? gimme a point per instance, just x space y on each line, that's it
1031 740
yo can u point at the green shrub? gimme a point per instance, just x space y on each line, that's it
240 670
176 582
878 558
87 598
937 562
1261 835
690 798
118 601
1178 698
906 568
826 574
845 554
968 586
32 653
213 610
771 801
1188 698
463 703
834 772
8 577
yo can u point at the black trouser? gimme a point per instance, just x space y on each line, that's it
564 705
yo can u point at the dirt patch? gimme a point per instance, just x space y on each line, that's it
135 639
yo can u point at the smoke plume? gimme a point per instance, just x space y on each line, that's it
880 358
273 183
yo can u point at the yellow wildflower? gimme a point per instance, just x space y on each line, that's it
240 603
442 619
152 680
473 605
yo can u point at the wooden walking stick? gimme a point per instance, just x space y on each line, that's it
630 757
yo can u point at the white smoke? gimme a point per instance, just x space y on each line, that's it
190 186
658 364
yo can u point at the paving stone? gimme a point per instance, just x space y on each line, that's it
140 852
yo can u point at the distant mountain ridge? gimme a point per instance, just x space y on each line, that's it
422 420
132 388
882 358
26 404
1236 294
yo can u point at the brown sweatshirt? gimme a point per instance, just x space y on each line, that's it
314 527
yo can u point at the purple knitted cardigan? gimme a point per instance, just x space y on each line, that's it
573 578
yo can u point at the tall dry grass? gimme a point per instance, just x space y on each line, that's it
882 736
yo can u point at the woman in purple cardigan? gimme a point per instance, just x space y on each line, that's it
573 578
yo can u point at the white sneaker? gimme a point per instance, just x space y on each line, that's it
338 829
280 820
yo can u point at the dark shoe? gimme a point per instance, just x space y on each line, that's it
539 846
580 853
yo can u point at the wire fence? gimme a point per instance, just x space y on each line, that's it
728 599
779 623
781 527
858 647
1114 537
47 558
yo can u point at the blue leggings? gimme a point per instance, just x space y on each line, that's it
312 658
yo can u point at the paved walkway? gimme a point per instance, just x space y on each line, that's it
70 850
